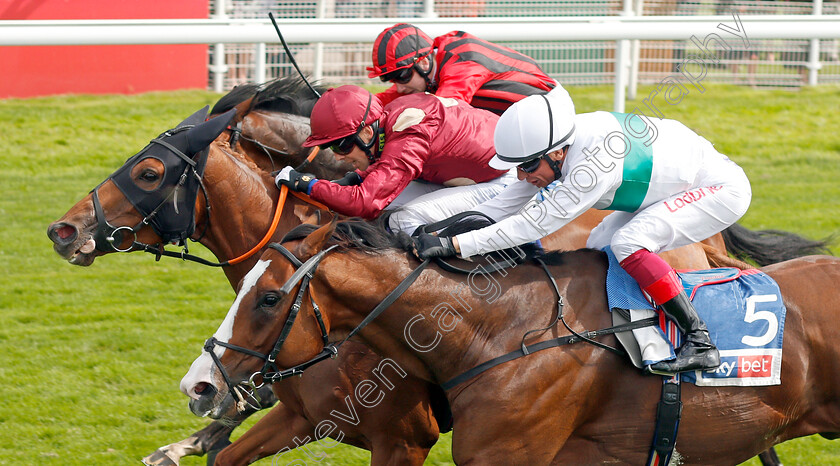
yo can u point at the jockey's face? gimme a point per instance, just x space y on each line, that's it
417 83
357 156
543 175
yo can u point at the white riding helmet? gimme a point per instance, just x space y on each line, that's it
533 127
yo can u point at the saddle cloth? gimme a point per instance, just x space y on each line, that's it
743 310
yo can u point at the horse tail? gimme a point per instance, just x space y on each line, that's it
766 247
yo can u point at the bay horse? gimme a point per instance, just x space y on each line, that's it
237 181
242 198
577 404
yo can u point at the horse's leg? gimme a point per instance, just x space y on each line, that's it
281 428
769 458
212 437
390 451
196 444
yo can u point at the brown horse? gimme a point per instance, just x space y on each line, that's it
229 234
576 404
238 182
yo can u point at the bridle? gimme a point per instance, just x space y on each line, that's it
270 373
149 204
108 237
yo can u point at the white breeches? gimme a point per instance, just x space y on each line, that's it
422 203
718 198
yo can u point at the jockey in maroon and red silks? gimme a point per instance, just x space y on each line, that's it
425 154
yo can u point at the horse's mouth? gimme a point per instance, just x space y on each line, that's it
85 254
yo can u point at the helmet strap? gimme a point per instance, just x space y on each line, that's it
555 165
427 74
368 147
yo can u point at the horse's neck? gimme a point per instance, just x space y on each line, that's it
444 325
286 132
242 204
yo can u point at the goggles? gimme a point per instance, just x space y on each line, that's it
530 166
341 146
400 76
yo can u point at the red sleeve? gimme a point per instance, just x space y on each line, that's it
461 80
388 95
401 162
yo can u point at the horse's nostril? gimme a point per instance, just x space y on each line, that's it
65 232
62 233
204 389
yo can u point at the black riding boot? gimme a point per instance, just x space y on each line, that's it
697 352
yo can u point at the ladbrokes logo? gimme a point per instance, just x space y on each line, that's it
742 366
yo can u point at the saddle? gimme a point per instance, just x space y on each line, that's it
743 310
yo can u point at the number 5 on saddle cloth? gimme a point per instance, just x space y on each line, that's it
743 310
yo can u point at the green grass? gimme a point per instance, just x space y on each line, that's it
92 357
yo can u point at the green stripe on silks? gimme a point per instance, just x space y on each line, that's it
638 165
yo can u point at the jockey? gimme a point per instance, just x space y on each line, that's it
444 143
668 186
457 65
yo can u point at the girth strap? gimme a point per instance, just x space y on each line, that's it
668 413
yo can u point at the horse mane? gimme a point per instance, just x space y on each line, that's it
369 236
287 94
374 238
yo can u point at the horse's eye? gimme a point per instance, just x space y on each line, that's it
149 176
269 300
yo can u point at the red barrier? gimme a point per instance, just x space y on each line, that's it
101 69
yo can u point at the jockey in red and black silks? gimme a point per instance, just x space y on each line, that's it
457 65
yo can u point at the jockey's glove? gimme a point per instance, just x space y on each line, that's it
349 179
295 180
426 246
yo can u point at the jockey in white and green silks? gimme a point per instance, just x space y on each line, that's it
668 186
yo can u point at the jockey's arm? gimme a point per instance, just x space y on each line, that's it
547 212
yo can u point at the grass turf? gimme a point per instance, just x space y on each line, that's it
92 356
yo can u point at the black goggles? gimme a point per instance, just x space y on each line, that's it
341 146
400 76
530 166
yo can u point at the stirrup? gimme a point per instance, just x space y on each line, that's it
650 370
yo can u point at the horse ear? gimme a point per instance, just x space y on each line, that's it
202 135
196 118
314 243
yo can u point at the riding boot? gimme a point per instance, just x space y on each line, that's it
697 352
661 283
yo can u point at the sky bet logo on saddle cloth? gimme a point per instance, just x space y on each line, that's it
743 310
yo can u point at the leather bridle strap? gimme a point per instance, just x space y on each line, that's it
392 296
331 350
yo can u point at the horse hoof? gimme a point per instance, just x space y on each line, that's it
158 458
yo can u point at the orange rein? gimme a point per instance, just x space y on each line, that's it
281 202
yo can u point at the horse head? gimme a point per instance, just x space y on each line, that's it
273 323
158 187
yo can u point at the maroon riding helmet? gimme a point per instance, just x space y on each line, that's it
342 112
397 47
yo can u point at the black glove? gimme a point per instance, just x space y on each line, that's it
294 179
349 179
426 246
